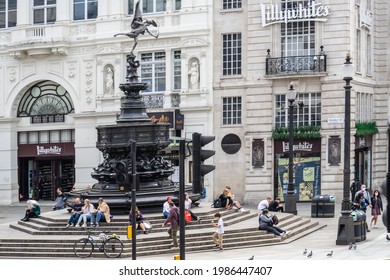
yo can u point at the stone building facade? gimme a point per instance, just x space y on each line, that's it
263 46
60 67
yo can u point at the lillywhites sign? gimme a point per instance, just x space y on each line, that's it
52 150
313 11
301 146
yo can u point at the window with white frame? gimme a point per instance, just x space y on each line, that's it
150 6
297 37
153 71
177 70
8 13
231 110
308 114
364 107
358 50
231 4
177 5
85 9
368 55
44 11
231 54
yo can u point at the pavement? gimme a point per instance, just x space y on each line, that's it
320 242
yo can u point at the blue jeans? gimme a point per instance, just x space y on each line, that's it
98 216
84 217
73 218
166 214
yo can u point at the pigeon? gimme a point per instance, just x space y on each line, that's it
252 258
310 254
351 245
354 246
387 237
329 255
305 252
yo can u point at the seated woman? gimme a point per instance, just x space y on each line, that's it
276 206
33 210
231 202
102 213
266 223
187 206
139 219
86 213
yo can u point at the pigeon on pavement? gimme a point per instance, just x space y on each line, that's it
310 254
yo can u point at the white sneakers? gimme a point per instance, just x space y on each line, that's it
241 209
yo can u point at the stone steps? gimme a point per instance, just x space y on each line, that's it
50 239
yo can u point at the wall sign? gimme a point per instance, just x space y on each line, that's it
313 11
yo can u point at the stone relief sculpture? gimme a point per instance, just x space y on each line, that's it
194 75
109 81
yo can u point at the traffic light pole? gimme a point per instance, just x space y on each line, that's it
133 200
182 224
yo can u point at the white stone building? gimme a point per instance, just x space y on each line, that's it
60 67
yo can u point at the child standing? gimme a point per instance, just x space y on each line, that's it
218 234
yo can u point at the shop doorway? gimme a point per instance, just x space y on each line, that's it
39 178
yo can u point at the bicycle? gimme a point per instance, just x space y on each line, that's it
111 245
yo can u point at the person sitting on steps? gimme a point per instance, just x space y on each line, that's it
102 213
139 219
33 210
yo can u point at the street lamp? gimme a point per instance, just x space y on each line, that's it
345 232
291 202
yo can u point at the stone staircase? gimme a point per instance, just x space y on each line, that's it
47 237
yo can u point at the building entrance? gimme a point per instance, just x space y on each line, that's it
39 179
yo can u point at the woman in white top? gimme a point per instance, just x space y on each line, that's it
87 209
187 206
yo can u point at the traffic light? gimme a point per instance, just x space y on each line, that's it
122 175
198 157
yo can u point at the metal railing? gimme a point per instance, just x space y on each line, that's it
292 65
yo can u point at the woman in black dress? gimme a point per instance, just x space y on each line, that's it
377 208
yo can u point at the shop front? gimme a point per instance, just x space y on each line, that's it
45 167
307 168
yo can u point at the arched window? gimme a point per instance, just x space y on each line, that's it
45 102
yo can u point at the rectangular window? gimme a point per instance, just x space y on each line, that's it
308 114
231 110
177 70
177 5
8 13
85 9
44 11
231 54
231 4
297 38
364 107
151 6
368 54
153 71
358 51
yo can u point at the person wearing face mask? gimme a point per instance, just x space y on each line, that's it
365 193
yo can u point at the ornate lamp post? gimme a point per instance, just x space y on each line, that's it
345 232
291 202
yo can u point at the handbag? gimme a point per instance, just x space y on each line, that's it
147 225
217 203
275 220
187 216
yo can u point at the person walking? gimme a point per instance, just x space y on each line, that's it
173 220
377 208
218 234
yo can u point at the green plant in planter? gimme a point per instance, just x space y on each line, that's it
366 129
301 132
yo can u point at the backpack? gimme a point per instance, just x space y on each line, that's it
217 203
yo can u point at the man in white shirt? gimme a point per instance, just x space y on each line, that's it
264 204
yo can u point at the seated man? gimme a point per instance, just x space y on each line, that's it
266 223
276 206
264 204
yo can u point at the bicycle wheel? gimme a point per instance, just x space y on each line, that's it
113 247
83 248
